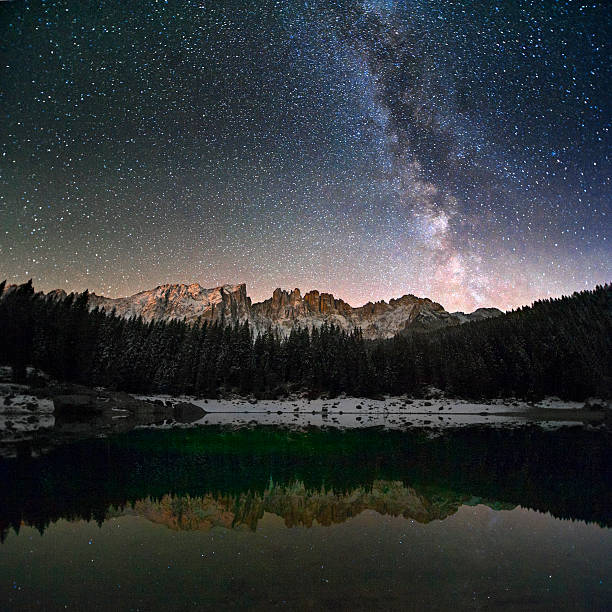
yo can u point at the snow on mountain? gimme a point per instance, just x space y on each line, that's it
285 310
281 313
178 301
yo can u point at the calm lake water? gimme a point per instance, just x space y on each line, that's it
264 518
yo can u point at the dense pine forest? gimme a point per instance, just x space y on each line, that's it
557 347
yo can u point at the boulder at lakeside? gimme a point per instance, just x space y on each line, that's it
89 404
186 412
76 404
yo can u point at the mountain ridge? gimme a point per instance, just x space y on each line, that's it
283 311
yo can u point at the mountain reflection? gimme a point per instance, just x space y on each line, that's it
297 506
206 477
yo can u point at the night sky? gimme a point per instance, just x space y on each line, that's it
451 149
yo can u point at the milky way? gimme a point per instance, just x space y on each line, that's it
455 150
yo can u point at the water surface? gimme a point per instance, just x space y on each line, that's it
209 517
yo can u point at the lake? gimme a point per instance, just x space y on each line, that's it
267 517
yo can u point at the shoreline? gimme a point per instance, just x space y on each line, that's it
43 417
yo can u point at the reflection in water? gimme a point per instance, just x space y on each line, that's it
476 559
207 476
199 519
297 506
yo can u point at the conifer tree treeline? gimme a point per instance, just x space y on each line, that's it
555 347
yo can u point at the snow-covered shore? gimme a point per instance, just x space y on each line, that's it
22 409
392 412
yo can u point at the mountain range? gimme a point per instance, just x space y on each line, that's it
284 311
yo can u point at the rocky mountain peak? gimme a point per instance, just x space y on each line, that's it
284 311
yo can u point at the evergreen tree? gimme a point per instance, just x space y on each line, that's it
555 347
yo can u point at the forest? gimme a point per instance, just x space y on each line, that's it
560 347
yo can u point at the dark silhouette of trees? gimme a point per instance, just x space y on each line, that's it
555 347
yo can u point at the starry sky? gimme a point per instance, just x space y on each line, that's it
458 150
